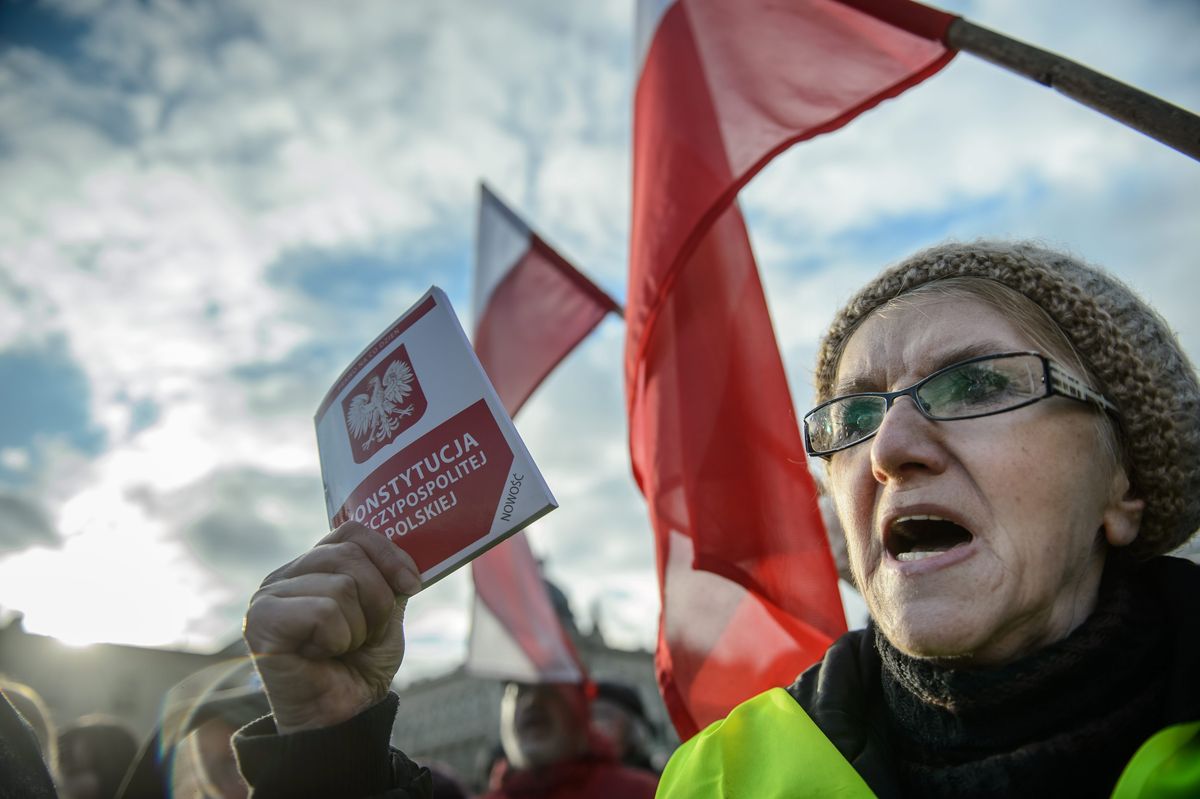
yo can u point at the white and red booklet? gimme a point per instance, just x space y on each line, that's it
415 443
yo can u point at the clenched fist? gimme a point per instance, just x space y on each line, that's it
326 630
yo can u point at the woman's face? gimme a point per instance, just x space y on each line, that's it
1030 495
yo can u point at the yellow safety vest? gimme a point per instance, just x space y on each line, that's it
769 747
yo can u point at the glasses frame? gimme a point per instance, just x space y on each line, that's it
1056 380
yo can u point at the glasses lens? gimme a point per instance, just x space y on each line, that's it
844 422
981 387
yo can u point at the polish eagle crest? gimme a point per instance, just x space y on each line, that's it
375 416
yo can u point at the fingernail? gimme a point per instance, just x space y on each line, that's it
408 582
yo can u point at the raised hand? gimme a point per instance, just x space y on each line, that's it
326 630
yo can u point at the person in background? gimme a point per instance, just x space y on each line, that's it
620 717
552 752
190 754
93 755
207 745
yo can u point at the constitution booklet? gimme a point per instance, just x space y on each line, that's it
414 443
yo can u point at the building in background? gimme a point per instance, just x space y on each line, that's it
125 682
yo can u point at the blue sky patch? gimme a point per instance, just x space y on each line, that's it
24 23
45 394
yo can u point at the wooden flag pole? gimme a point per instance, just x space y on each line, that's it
1158 119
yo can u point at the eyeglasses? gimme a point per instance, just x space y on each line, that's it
982 386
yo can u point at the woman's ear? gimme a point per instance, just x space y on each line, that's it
1123 514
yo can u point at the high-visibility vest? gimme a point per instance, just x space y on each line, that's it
769 747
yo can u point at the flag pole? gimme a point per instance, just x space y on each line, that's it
1169 124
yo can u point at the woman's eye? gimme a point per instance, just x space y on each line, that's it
968 386
859 416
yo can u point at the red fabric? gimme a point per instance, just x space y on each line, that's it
749 587
538 312
536 315
596 775
508 580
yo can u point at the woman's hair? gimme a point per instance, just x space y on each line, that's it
1120 345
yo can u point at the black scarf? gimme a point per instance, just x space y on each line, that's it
1062 722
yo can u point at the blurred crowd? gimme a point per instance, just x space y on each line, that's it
550 735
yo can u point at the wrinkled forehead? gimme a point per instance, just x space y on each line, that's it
910 338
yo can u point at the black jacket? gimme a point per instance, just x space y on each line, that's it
23 775
352 759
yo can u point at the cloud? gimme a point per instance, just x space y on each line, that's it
23 523
242 522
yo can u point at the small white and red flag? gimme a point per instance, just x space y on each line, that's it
532 308
748 585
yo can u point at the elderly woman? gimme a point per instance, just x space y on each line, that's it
1012 443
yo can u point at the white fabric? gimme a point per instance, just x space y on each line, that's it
493 653
503 240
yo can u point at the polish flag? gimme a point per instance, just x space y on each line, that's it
748 584
515 633
531 306
531 309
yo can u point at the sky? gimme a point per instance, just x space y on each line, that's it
207 209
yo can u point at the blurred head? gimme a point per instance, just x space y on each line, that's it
982 539
543 724
213 762
232 698
620 718
94 754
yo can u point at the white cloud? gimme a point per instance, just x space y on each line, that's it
14 458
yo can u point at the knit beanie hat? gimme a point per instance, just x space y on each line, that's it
1125 344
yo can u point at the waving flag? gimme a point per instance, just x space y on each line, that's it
515 633
531 309
531 306
749 589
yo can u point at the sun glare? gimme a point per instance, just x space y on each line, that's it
107 584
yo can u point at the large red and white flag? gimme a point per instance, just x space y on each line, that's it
532 308
749 588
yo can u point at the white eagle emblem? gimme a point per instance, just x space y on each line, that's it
377 416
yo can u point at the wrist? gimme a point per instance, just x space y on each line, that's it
315 716
347 759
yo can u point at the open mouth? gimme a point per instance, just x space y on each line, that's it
912 538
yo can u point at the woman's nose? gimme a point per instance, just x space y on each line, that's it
906 443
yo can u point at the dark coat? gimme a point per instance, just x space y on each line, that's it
23 775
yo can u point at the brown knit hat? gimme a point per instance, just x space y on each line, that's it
1125 344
